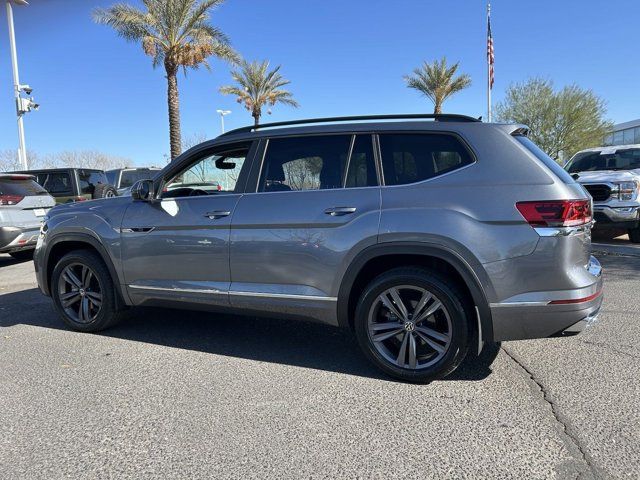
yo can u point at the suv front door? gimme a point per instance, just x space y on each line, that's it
315 203
176 247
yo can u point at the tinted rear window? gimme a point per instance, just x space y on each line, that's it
23 188
549 162
410 158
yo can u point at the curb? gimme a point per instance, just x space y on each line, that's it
609 249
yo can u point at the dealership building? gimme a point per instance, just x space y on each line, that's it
624 133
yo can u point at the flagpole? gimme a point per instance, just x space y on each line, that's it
488 68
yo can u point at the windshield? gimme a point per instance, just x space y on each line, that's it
626 159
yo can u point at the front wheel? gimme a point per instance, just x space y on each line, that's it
634 235
411 323
83 292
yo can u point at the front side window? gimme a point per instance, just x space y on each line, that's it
317 162
410 158
211 174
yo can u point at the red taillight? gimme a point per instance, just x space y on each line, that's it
556 213
219 188
10 199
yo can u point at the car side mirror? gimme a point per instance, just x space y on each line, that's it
142 190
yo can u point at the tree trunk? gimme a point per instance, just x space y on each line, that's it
256 116
437 108
173 101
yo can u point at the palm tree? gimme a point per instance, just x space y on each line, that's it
437 81
257 87
175 33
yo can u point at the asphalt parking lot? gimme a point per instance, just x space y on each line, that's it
170 394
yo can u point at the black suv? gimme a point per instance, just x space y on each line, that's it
74 184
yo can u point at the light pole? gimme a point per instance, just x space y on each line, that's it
23 105
222 114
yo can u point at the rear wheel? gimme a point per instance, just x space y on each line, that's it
23 254
634 235
411 323
83 292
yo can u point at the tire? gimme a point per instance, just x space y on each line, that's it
89 288
104 190
23 255
634 235
449 322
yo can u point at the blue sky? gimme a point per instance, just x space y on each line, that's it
343 57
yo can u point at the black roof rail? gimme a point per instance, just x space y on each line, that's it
440 117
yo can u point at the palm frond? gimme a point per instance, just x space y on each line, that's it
437 81
258 86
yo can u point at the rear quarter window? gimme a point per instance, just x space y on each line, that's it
414 157
549 162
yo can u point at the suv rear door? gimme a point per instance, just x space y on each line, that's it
315 202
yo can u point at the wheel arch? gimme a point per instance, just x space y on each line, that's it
473 277
62 244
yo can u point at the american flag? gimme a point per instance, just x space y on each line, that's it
490 58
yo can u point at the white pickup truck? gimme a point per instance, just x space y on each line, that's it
612 176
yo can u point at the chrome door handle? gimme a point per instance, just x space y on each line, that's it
217 214
339 211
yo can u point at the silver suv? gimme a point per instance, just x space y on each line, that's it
23 206
612 176
429 239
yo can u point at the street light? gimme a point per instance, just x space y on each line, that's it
222 114
23 105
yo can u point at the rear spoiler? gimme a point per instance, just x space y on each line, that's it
520 131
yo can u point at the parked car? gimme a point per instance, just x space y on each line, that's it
23 206
124 178
74 184
612 176
429 239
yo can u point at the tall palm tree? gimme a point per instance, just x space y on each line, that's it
257 87
437 81
175 33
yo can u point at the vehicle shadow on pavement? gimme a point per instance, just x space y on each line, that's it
6 260
280 341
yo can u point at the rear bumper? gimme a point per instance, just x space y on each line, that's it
616 217
548 314
13 239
